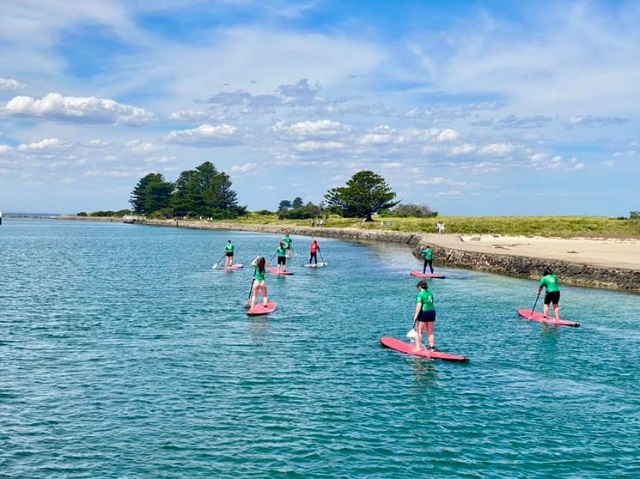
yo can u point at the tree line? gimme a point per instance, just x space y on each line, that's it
206 192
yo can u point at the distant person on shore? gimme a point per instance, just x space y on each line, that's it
287 241
428 259
549 282
282 256
259 282
438 227
425 316
313 251
228 251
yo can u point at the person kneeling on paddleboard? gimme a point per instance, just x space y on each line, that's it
259 282
549 281
425 316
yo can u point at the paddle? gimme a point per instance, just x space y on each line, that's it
247 302
216 263
323 261
534 305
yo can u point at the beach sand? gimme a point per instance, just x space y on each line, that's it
621 253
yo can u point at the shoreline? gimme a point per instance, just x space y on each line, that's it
604 263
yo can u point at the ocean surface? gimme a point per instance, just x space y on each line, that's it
123 354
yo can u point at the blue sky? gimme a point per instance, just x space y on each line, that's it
472 108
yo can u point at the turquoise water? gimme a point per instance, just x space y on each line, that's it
124 355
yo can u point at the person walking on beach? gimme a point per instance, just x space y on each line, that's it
228 251
313 250
259 282
287 241
549 282
428 259
282 256
425 316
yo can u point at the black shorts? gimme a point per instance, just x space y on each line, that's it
282 260
552 297
427 317
230 254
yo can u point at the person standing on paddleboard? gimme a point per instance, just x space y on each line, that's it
259 282
428 259
287 241
549 281
228 251
282 256
313 250
425 316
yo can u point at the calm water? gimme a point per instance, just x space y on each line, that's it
124 355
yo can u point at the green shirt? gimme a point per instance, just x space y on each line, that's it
258 275
287 241
426 298
281 252
550 282
228 248
428 253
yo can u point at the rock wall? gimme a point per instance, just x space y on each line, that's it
513 266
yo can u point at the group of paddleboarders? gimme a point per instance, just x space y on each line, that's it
425 312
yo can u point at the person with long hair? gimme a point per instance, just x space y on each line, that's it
259 282
425 316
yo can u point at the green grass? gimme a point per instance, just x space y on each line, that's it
546 226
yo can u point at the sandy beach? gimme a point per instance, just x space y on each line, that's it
620 253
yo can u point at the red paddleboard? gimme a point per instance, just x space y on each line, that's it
418 274
536 316
260 309
409 348
233 266
282 273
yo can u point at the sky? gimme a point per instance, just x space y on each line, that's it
471 108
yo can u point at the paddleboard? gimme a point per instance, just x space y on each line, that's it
259 309
536 316
232 267
280 273
408 348
419 274
313 265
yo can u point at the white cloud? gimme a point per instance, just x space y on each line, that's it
464 149
496 149
10 84
4 149
311 129
319 145
54 106
448 135
205 135
247 168
46 144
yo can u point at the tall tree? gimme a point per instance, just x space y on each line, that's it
366 193
297 202
151 194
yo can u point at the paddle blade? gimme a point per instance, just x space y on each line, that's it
412 334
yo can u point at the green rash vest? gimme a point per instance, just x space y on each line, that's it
426 298
287 241
428 254
550 282
258 275
281 252
228 248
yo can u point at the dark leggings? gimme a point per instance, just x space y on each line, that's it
427 262
314 257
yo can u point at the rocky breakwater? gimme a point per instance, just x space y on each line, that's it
575 274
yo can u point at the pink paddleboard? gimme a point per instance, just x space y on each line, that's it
418 274
259 309
536 316
233 267
409 348
281 273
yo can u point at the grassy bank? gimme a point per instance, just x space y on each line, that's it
545 226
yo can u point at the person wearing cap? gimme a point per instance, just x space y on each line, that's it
549 282
425 316
228 251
